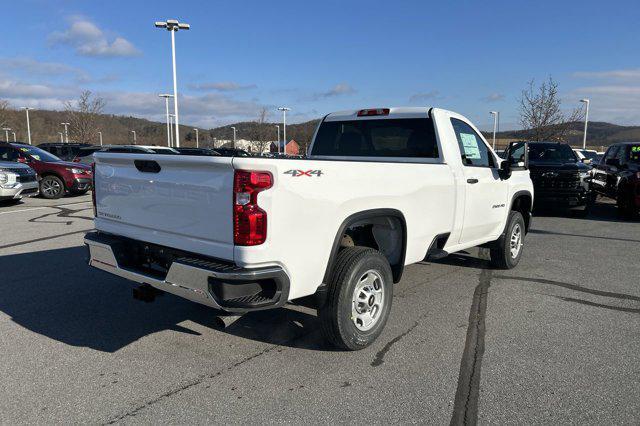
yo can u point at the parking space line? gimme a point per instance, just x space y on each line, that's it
44 207
25 210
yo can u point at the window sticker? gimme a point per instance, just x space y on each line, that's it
470 145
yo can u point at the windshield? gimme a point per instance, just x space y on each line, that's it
593 156
551 153
634 154
39 154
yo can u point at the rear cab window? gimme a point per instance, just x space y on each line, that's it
390 138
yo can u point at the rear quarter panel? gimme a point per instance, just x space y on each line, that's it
305 212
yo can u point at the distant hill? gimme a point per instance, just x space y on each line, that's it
599 134
45 126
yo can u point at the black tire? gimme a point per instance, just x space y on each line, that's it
51 187
625 205
501 255
351 266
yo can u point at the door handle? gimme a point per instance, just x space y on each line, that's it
472 181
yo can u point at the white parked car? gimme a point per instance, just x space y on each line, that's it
381 189
17 181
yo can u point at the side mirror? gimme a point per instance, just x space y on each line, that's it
586 160
505 170
613 162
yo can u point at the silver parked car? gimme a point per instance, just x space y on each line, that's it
17 181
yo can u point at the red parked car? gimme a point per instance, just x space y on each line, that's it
57 177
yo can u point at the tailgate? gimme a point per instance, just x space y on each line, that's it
184 202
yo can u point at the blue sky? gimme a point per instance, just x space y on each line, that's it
241 56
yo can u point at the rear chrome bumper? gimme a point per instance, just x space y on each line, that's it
220 285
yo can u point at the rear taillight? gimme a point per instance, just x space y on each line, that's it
372 112
249 220
93 189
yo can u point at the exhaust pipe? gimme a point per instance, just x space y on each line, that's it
221 322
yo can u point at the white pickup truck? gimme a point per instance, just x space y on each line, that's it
381 189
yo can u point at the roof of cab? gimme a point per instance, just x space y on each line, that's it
394 112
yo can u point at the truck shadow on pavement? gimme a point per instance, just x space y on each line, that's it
54 293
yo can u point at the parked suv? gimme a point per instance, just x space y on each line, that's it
560 179
16 180
57 177
617 176
64 151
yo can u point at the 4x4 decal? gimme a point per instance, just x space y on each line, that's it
299 173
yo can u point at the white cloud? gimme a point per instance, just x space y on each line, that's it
223 86
89 40
337 90
424 96
628 74
493 97
614 103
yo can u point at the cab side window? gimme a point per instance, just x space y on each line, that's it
611 153
473 150
622 155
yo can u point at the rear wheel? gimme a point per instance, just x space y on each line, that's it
358 299
51 187
507 250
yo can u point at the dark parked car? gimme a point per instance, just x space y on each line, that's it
57 177
64 151
85 154
232 152
197 151
560 179
617 176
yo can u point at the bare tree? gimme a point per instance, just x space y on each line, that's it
541 114
260 137
82 116
4 112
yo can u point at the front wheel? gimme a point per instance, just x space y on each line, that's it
358 300
51 187
507 250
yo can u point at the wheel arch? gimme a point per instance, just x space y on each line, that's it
361 218
522 201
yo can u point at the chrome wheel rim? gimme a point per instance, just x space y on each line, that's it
368 300
50 187
515 243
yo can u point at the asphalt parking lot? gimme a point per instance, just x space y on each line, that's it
556 340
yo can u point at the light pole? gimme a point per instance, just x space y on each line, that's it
197 139
172 25
135 142
284 128
278 127
234 137
586 123
66 131
171 128
495 114
100 135
166 97
26 109
61 137
6 133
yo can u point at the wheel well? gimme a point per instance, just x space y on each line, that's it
383 230
522 203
